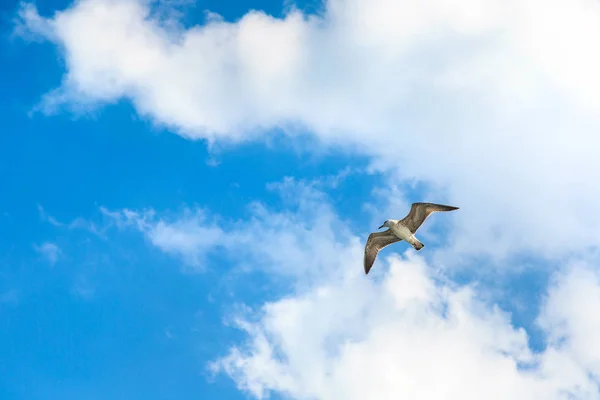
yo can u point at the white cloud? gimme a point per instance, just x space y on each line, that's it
77 223
403 332
83 288
406 331
299 242
189 237
493 102
410 336
50 251
572 318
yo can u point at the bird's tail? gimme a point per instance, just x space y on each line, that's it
418 245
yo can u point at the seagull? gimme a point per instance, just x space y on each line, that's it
401 230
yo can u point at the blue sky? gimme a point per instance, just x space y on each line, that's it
115 340
197 230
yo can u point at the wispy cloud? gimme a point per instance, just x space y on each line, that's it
269 240
190 236
77 223
83 288
50 251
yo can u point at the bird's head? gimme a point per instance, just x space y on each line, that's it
387 223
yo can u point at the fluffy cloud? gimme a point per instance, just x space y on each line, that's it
492 103
405 331
568 318
410 336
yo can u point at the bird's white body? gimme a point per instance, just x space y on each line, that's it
402 232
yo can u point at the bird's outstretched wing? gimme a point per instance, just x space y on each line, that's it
376 242
420 211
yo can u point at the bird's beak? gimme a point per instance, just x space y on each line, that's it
381 226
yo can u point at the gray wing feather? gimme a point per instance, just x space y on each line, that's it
420 211
376 242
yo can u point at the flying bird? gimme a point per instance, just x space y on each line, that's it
401 230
